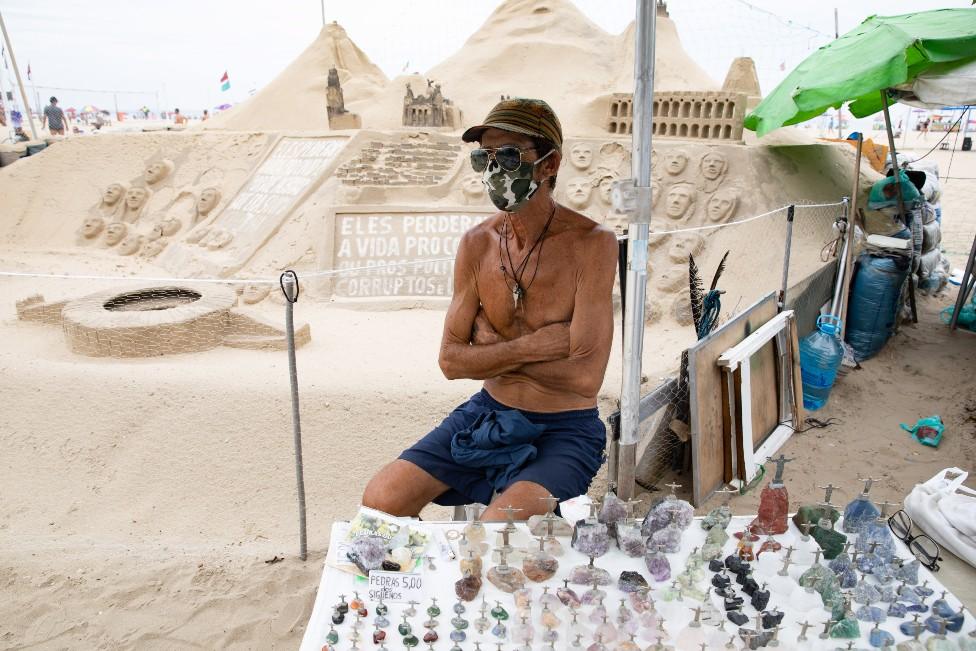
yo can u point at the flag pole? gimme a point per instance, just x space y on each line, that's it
20 82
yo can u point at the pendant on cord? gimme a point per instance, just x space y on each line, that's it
517 294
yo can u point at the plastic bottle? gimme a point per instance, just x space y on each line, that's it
820 356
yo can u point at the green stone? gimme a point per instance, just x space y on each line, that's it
813 514
433 611
716 536
831 541
940 644
499 613
410 641
846 629
711 550
404 628
815 575
332 637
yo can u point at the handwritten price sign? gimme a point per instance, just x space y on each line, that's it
395 586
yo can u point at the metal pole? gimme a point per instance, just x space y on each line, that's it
849 247
901 203
841 262
790 212
637 249
323 13
289 287
20 82
964 286
840 109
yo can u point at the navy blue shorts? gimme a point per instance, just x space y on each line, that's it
570 452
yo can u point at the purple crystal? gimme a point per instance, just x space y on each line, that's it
632 582
668 510
588 575
668 539
658 565
630 541
367 552
591 538
568 596
612 510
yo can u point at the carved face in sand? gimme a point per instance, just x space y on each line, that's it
112 194
135 198
154 248
672 279
578 192
675 162
168 227
114 233
680 199
721 206
207 200
252 294
472 187
157 171
130 244
604 187
684 245
713 165
581 156
91 227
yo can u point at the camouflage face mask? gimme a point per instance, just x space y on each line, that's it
510 190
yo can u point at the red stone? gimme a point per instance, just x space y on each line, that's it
379 636
774 506
430 635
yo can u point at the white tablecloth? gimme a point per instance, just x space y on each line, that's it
787 595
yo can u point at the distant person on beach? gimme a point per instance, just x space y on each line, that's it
54 118
179 118
925 128
531 316
206 114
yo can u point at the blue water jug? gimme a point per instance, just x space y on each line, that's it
820 356
873 306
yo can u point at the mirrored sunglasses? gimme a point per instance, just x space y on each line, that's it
509 157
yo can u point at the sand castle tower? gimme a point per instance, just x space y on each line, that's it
296 99
741 78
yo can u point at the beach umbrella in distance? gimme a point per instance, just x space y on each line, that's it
223 107
882 53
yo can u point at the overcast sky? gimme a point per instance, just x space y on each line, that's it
180 48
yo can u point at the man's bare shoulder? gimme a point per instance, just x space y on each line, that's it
480 236
588 232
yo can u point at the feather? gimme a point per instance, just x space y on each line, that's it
696 290
718 272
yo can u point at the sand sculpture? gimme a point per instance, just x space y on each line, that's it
153 321
472 189
691 115
675 162
130 244
430 110
252 294
134 204
91 227
335 105
166 228
154 247
110 202
722 205
205 203
741 78
415 159
712 168
581 156
680 200
158 171
115 232
684 245
578 191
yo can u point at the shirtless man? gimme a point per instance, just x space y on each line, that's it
532 316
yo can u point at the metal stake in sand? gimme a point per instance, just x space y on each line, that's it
289 287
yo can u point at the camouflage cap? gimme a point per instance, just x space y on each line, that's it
530 117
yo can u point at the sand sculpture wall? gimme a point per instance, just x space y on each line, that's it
688 115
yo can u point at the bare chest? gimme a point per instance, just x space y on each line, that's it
525 297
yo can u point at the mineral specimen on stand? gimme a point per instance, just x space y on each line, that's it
588 575
568 596
612 510
908 572
813 515
880 638
367 553
772 618
860 511
711 551
717 517
539 566
508 579
667 511
632 582
870 614
846 629
715 565
668 539
591 538
630 540
717 536
830 541
897 610
760 599
774 505
471 565
468 587
560 526
737 617
657 564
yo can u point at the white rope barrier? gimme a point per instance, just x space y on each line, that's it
338 272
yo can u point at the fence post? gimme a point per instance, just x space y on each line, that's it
289 287
790 212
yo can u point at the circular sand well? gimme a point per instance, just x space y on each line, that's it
148 321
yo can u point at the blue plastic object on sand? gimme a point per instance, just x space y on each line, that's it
820 355
927 431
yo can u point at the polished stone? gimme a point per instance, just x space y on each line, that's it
568 597
468 587
880 638
509 579
846 629
830 541
539 566
631 582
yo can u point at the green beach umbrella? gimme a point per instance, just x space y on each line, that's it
881 53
